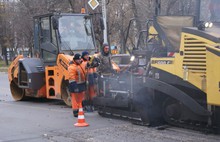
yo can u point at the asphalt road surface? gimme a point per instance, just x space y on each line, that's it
51 121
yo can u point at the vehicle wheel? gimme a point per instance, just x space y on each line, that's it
66 94
171 110
17 93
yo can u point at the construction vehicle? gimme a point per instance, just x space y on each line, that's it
174 79
57 36
114 50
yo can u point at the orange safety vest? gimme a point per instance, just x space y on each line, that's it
76 73
89 72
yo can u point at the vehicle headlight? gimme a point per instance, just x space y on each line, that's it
210 24
206 24
132 58
202 25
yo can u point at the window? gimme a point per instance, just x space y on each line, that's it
36 51
75 33
54 40
47 41
45 30
49 57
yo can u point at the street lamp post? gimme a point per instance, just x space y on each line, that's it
93 4
104 11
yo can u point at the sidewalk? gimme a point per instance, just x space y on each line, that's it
3 69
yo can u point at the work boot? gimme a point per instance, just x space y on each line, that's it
75 113
89 108
85 108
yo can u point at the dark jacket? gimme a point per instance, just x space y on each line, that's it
105 64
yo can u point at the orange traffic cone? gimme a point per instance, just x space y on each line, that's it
81 119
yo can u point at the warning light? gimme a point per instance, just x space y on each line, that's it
83 10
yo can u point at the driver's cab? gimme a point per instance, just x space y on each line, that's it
163 32
62 33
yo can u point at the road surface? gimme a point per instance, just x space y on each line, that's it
51 121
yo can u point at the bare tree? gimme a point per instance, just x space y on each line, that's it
25 11
20 19
6 30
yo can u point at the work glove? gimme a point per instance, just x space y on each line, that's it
88 65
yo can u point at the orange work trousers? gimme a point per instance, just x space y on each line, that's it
92 92
77 99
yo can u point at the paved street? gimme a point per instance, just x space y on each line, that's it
51 121
36 120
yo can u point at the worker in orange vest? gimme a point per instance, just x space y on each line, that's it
90 77
77 83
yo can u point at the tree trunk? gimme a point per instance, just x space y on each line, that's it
72 5
134 10
4 51
137 24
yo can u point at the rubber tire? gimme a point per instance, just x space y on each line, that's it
66 94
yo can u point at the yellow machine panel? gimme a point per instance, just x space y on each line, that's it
166 64
213 75
193 63
194 59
